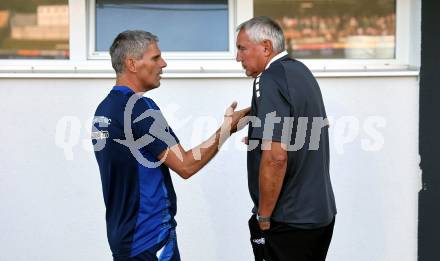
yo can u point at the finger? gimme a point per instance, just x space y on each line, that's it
245 140
234 105
230 110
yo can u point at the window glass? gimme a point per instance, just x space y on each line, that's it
37 29
334 29
181 25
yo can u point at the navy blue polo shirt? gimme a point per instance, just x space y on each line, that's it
139 198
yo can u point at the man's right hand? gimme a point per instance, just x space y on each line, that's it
234 120
187 163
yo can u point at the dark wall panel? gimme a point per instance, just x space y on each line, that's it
429 197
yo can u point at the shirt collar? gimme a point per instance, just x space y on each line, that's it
123 89
276 57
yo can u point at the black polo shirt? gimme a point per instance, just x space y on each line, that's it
288 104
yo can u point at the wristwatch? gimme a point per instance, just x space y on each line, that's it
263 219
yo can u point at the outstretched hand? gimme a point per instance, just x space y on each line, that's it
236 119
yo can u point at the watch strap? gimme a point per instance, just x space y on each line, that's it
263 219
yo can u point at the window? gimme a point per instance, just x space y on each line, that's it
335 29
36 29
198 37
181 25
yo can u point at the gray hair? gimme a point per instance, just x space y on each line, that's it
129 44
263 28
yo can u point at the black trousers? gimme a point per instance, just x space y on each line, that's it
286 243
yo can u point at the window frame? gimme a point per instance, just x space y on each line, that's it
402 49
55 61
99 55
242 10
188 65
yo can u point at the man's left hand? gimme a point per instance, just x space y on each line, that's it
264 225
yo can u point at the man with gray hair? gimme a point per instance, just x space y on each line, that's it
135 147
294 206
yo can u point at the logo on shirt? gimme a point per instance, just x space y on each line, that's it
99 135
101 120
259 241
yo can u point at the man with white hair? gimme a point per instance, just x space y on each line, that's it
135 147
294 206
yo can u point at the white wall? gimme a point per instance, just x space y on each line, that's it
52 208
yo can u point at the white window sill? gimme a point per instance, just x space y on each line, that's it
197 69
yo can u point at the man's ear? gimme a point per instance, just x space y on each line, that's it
130 65
268 48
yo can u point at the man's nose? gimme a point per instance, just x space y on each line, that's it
164 64
238 57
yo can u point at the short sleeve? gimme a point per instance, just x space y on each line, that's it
272 106
149 125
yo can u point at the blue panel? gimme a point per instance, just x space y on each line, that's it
153 221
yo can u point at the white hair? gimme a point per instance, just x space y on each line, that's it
263 28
